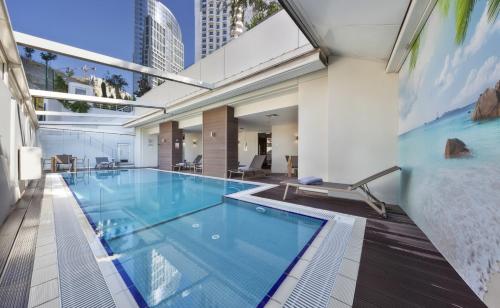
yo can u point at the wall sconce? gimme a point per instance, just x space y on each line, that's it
163 140
246 147
194 142
212 134
296 139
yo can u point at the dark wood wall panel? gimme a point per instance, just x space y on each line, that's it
220 151
170 145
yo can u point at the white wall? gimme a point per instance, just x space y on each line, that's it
277 36
363 124
313 125
190 150
251 138
10 142
284 143
145 148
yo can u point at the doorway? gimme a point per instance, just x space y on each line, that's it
265 147
123 152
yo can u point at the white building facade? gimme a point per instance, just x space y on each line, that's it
157 39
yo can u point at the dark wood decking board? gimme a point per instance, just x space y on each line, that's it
399 266
15 280
11 225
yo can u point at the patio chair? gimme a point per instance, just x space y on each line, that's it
63 160
254 168
103 162
292 163
360 188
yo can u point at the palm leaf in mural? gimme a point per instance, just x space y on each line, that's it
463 12
414 52
444 7
493 9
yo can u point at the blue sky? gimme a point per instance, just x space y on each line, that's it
104 26
449 76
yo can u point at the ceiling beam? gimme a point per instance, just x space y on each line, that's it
78 123
89 99
91 115
82 54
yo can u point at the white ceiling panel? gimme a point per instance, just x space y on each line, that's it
359 28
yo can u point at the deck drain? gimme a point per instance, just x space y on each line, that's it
195 226
215 237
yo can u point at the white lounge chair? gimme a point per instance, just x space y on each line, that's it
255 167
360 188
103 162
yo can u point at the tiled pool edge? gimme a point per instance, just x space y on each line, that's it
121 295
342 294
343 290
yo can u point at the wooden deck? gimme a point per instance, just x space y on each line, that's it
399 266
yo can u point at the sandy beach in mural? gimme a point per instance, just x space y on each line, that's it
450 138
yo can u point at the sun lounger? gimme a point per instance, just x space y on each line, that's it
254 168
103 162
361 188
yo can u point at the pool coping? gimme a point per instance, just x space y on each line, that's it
343 290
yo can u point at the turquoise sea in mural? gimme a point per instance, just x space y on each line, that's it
424 146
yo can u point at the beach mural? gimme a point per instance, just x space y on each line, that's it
449 135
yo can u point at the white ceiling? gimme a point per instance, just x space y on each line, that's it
261 123
357 28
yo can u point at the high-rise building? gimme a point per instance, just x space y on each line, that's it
212 26
157 39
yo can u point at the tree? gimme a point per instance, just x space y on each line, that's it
28 52
463 12
60 85
104 89
117 82
143 86
69 72
47 57
237 13
261 11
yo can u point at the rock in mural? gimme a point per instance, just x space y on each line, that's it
455 148
488 104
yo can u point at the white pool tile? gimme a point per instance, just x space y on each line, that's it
309 254
353 253
344 289
55 303
44 261
299 268
285 289
107 267
46 249
273 304
45 274
115 283
45 240
43 293
124 299
349 268
334 303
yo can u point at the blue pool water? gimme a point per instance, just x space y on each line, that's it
179 243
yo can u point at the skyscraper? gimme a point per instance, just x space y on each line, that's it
157 39
212 26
